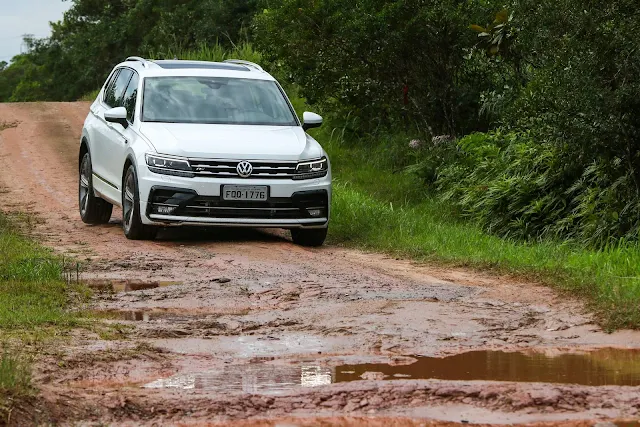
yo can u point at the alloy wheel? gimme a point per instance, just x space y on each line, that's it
129 200
85 174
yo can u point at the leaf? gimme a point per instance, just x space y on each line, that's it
478 28
502 16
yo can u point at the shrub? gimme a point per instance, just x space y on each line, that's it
518 187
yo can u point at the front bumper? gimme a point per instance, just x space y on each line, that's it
197 201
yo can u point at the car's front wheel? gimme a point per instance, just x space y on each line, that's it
309 237
93 210
132 225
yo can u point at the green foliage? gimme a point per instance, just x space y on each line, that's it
498 36
357 59
517 187
32 292
566 161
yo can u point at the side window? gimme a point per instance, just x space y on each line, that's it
130 96
113 97
109 86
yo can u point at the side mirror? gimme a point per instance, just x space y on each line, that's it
311 120
117 115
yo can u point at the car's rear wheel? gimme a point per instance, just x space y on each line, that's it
309 237
132 225
93 210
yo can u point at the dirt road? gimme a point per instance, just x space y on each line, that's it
241 326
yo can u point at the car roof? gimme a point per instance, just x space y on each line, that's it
166 68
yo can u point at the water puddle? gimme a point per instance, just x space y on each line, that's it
118 286
602 367
257 378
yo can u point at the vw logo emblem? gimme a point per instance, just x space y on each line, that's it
244 169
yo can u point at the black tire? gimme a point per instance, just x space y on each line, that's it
93 210
309 237
132 225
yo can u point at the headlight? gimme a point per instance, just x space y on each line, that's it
169 165
312 169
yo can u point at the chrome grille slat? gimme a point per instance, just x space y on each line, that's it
227 169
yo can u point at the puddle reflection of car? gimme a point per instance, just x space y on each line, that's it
201 143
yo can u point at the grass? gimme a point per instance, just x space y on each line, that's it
33 300
15 378
377 209
32 293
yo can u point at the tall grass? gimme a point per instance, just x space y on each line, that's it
32 293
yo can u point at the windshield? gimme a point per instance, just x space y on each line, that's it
215 100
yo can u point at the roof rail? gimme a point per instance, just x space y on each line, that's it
247 63
145 63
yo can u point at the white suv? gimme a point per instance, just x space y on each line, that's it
201 143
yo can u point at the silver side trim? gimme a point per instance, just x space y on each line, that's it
230 208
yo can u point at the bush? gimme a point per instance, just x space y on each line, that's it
518 187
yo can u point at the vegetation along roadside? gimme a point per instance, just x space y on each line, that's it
35 304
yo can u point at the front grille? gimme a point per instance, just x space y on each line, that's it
192 205
227 169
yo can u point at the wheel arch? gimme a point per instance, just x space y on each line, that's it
84 149
130 161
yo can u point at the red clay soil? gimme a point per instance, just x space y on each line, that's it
243 328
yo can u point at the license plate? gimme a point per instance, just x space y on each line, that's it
256 193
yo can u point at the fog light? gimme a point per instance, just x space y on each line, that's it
165 210
316 213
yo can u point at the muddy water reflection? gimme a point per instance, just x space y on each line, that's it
603 367
252 378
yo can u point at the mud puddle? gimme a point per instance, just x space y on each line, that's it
118 286
256 378
602 367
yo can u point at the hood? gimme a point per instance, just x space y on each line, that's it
236 142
